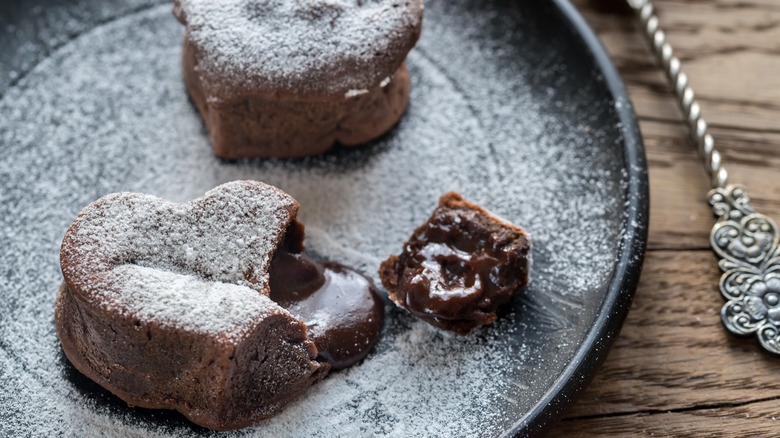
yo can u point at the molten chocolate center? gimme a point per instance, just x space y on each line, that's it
341 308
458 268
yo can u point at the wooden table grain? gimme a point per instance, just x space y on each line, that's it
674 370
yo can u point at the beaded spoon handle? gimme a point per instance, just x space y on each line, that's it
745 241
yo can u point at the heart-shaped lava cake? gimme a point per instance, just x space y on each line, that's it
167 305
280 78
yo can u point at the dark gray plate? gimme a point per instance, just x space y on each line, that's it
514 104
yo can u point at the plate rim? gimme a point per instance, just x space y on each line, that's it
593 350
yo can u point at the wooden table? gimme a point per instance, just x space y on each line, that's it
674 370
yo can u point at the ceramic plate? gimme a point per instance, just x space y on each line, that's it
514 105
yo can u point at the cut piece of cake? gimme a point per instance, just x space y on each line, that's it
169 305
458 267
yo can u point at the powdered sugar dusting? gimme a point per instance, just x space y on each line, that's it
487 118
185 302
314 45
142 253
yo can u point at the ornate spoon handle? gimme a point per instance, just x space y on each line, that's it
745 241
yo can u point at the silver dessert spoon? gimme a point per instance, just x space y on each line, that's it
745 241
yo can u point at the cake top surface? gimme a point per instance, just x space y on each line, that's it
184 301
317 47
199 266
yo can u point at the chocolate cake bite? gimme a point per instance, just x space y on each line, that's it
167 305
278 78
458 267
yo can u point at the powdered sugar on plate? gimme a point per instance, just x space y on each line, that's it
492 117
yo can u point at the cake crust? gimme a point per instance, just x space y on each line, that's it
262 125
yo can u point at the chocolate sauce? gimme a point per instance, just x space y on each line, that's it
341 308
